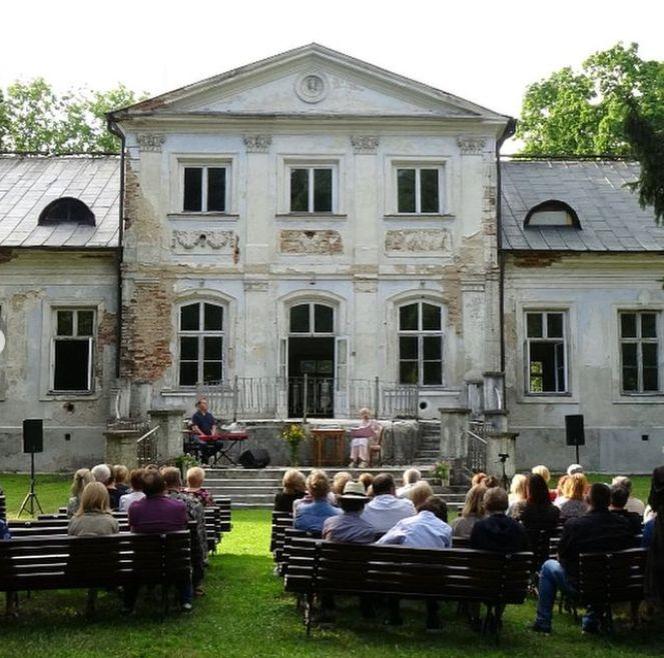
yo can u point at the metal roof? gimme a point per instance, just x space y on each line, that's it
29 183
609 212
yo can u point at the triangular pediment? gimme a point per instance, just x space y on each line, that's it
311 80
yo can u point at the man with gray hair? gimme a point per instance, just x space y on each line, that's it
633 505
104 474
410 478
101 473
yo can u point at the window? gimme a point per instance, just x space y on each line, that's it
546 352
552 213
418 190
312 189
205 189
201 344
66 209
71 366
312 319
420 344
639 352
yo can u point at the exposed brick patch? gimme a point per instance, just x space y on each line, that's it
535 259
310 242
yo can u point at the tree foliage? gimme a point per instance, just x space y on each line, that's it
583 112
34 117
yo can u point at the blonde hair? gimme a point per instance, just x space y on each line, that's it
195 477
82 477
340 480
120 473
318 484
477 478
519 485
94 499
420 492
474 504
411 476
575 486
293 481
365 410
543 471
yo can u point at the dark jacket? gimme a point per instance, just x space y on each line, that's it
597 530
283 502
635 520
540 517
499 533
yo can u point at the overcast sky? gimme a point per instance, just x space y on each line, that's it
485 51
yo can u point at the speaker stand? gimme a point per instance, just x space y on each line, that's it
577 453
28 504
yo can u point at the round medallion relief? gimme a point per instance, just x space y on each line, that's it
311 87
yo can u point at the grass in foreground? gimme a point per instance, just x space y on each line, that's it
246 613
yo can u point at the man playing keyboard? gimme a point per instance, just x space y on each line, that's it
203 428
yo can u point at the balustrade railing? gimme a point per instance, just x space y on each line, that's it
476 446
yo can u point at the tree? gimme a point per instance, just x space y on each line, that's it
583 113
33 117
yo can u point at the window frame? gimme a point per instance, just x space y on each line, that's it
421 333
544 312
201 334
311 167
418 166
55 337
312 333
639 341
204 166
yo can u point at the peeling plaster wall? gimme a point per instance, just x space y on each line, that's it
32 283
593 289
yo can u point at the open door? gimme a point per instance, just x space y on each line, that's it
341 378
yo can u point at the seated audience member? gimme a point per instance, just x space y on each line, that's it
310 516
427 529
420 492
411 477
598 530
104 473
633 504
350 527
560 499
121 478
497 531
517 496
5 534
157 513
136 491
573 469
339 481
478 478
82 477
539 513
472 512
366 479
544 472
619 496
491 481
574 490
656 507
385 509
94 515
293 487
195 479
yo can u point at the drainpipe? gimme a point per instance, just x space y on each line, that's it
509 130
112 127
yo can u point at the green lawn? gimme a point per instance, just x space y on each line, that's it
246 613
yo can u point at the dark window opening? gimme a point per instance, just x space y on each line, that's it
72 362
552 213
67 209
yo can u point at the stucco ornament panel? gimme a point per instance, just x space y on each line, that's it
471 145
310 242
417 240
364 143
311 87
187 241
257 143
150 141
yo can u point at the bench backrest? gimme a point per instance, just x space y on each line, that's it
3 508
457 574
50 562
606 578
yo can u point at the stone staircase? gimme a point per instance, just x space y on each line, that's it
255 488
429 450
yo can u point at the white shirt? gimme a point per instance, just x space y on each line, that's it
386 510
406 491
424 530
128 499
635 505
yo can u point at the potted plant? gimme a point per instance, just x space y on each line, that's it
441 471
293 435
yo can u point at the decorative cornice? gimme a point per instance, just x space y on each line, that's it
471 145
417 240
150 141
364 143
257 143
215 240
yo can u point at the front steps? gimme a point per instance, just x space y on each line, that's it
429 451
255 488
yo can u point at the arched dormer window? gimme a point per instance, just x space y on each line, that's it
66 209
552 213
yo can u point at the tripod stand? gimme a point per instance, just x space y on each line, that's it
28 504
504 480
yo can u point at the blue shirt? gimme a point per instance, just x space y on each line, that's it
4 531
204 421
648 531
425 530
310 517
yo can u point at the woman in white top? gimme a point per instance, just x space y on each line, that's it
359 445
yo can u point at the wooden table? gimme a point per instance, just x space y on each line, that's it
321 438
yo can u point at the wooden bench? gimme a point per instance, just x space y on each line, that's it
3 508
62 562
318 567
